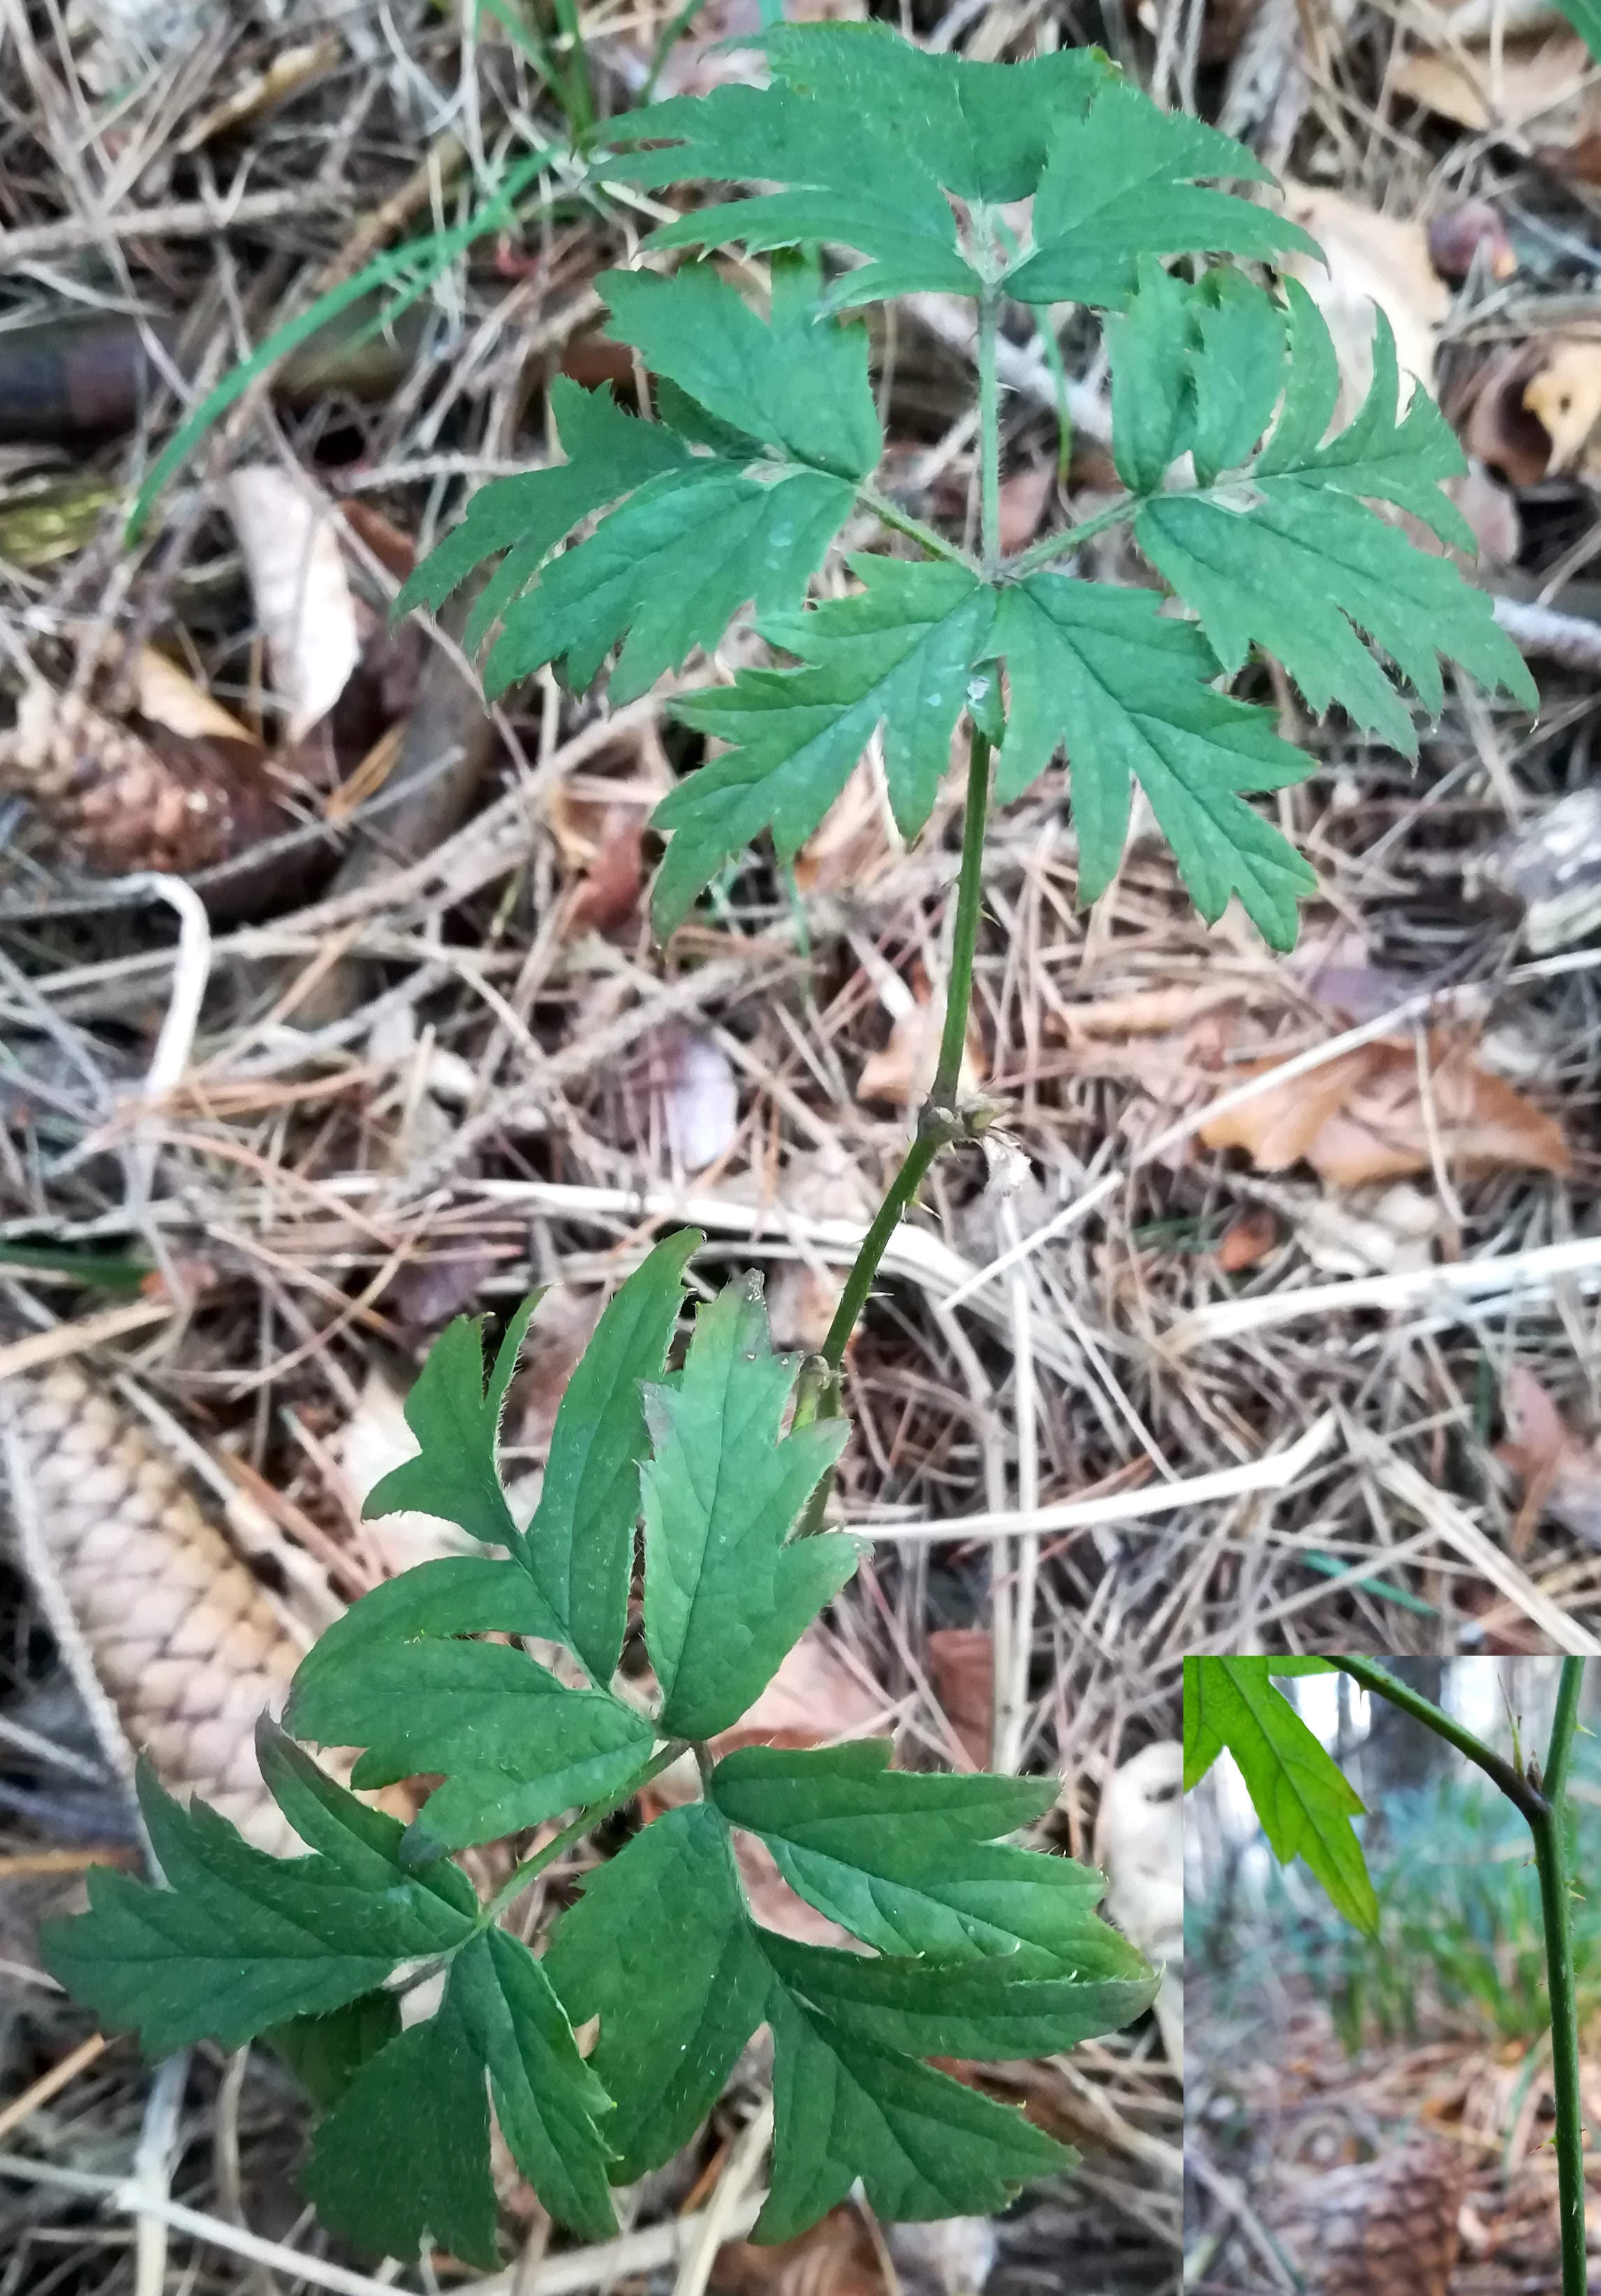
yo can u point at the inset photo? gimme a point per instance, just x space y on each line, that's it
1392 1976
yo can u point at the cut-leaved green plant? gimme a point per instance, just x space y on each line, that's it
1306 1805
973 1946
370 1963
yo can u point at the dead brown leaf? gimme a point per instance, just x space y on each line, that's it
852 844
1246 1240
1372 259
1560 1472
1362 1117
1563 395
961 1671
1541 87
834 2258
904 1070
695 64
1024 497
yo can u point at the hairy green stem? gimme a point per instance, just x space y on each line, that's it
1067 539
584 1823
1543 1803
1549 1829
940 1123
1384 1685
903 520
988 433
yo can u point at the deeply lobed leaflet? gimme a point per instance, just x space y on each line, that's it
970 1946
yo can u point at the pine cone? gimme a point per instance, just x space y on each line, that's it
119 803
182 1640
1386 2227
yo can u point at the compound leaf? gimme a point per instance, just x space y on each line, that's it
908 1861
580 1543
726 1590
659 1946
239 1942
404 2156
1122 183
923 2145
1293 558
1124 690
1303 1801
455 1419
608 454
796 381
897 654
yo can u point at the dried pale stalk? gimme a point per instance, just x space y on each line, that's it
184 1647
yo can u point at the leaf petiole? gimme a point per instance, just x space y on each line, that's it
584 1823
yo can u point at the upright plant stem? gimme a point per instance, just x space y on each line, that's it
1551 1860
1543 1803
988 433
940 1122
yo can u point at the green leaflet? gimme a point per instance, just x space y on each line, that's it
726 1590
580 1543
981 2009
1120 184
238 1942
404 2156
608 454
659 1946
797 382
668 571
908 1860
325 2052
515 1746
1291 557
1125 691
454 1594
1304 1803
897 654
923 2145
863 129
852 2096
455 1419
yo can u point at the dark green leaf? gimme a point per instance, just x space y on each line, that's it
580 1543
1303 1801
908 1860
547 2100
1125 691
983 2008
239 1941
923 2145
1293 558
608 454
456 1421
513 1744
668 571
726 1590
325 2052
1122 183
862 129
406 2154
1151 381
897 654
798 382
659 1947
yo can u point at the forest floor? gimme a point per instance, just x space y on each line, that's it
1315 1369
